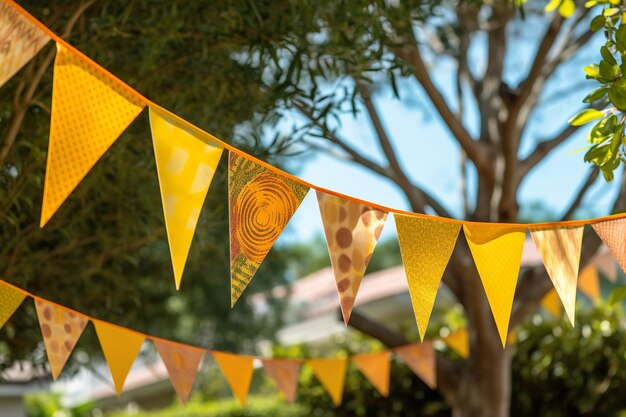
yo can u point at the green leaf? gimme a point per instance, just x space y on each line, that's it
607 55
592 70
552 5
620 38
567 8
585 116
596 94
597 22
607 174
617 96
609 71
610 12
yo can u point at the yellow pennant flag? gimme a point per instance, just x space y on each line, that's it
612 233
120 347
425 246
89 112
10 300
459 342
332 375
589 283
352 231
376 368
497 253
186 159
560 252
20 41
61 329
260 204
551 303
182 363
238 373
420 358
285 373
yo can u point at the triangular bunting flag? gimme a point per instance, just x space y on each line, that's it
20 41
260 204
61 329
459 342
120 347
551 303
497 253
604 261
182 363
352 231
238 373
89 112
420 358
589 283
560 252
186 160
332 375
375 367
425 246
10 300
612 233
285 373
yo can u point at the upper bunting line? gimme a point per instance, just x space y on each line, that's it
279 171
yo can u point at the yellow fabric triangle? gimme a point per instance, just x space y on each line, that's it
238 373
589 283
10 300
459 342
560 252
260 204
61 329
186 160
21 41
375 367
285 373
182 363
420 358
332 375
551 303
89 112
120 347
425 246
497 253
612 233
352 231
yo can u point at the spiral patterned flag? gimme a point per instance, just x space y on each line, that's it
260 204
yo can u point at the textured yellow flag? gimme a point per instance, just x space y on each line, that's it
61 329
459 342
20 41
182 363
551 303
375 367
425 246
420 358
10 300
560 252
89 112
238 373
186 159
612 233
120 347
285 373
497 253
332 375
589 283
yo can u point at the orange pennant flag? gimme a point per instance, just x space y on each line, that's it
589 283
89 112
497 252
352 231
551 303
604 261
10 300
612 233
238 373
376 368
260 204
560 252
459 342
332 375
20 41
285 373
182 363
425 246
420 358
61 329
120 347
186 160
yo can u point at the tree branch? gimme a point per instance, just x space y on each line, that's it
582 192
544 147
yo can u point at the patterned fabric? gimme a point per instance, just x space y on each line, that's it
238 372
612 233
10 300
20 41
61 329
89 112
332 375
352 231
186 161
425 246
182 363
260 204
376 368
285 373
420 358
